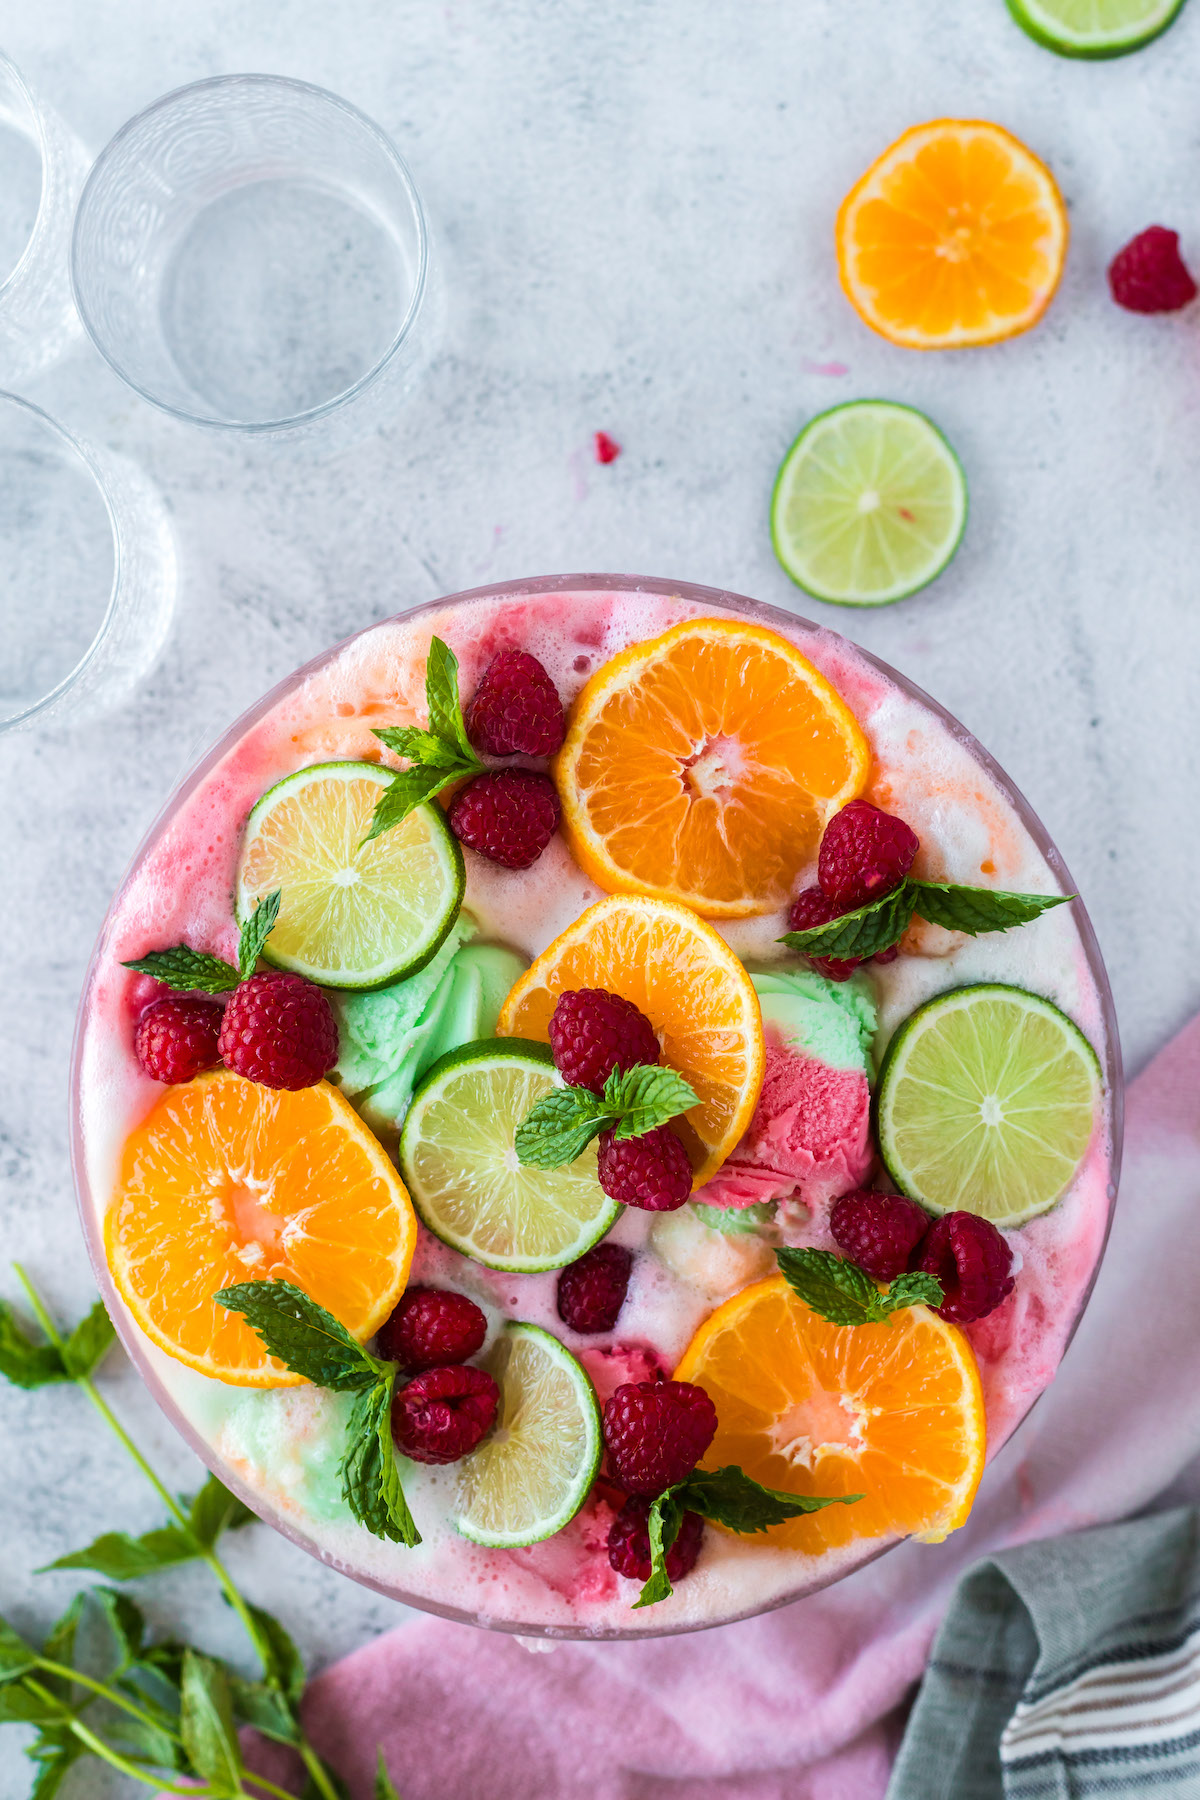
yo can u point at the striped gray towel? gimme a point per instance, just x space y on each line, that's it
1065 1670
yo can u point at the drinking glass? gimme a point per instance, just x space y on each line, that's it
87 571
42 167
251 253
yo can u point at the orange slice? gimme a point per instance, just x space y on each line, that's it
957 235
690 986
702 766
893 1412
227 1181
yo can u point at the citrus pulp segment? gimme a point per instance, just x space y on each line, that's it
1094 28
702 767
456 1150
531 1475
987 1102
352 914
893 1412
956 235
869 505
692 988
226 1181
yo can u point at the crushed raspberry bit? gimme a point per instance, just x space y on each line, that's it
651 1172
279 1030
629 1542
879 1232
176 1038
508 815
515 710
444 1413
430 1328
591 1292
593 1032
809 908
1149 275
607 449
865 853
656 1432
973 1263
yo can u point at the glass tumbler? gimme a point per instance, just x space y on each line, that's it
42 168
250 252
87 571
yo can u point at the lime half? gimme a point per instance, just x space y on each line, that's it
1094 27
532 1473
987 1101
869 504
353 915
456 1151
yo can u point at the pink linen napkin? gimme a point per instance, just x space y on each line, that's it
802 1704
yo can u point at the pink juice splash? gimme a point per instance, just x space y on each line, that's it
808 1141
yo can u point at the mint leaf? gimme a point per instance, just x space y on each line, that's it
732 1498
144 1741
646 1096
206 1722
59 1646
440 755
976 909
24 1363
215 1510
281 1660
126 1622
860 933
19 1705
89 1343
844 1294
123 1558
665 1519
564 1122
55 1750
303 1335
384 1789
370 1480
257 930
187 970
16 1656
254 1703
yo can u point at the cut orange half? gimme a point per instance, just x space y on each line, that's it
893 1412
702 767
691 987
227 1181
955 236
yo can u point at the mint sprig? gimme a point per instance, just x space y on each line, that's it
564 1122
438 756
729 1497
314 1344
869 929
190 971
844 1294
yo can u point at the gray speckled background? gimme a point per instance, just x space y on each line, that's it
634 204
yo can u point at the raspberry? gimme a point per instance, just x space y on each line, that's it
656 1433
879 1232
593 1032
515 710
279 1030
607 449
508 815
444 1413
651 1171
809 908
176 1038
591 1292
1149 275
865 853
430 1328
972 1262
629 1542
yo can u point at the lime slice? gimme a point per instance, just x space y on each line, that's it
353 915
987 1102
460 1167
531 1474
869 504
1094 27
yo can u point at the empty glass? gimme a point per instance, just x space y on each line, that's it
41 172
87 571
250 252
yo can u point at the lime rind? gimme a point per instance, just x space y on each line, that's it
987 1103
838 548
406 887
532 1474
462 1173
1094 29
